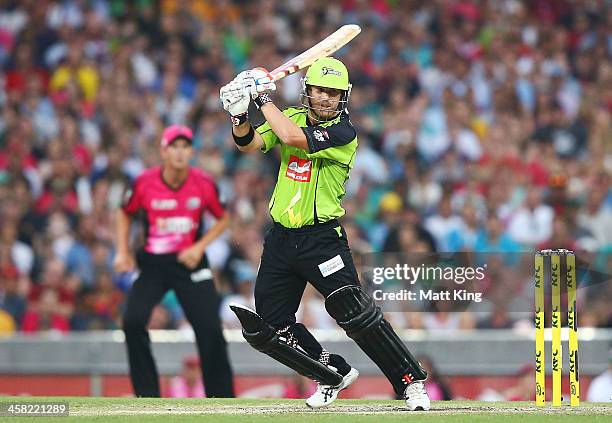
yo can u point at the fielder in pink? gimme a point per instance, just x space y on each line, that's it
172 215
171 200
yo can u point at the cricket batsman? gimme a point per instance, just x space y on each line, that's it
307 243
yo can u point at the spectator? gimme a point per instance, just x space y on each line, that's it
492 238
464 237
23 70
504 109
389 211
442 224
425 193
437 388
53 278
562 235
522 390
11 300
189 383
107 301
245 281
596 218
76 70
21 254
298 386
532 224
7 323
600 389
42 315
84 317
499 319
79 258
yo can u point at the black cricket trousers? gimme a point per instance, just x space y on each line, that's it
318 254
200 302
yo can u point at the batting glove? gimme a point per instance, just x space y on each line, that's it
235 101
257 82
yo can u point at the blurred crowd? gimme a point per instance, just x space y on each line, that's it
484 125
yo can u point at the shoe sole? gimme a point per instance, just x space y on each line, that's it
418 408
343 386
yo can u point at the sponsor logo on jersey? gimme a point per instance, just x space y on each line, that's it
320 136
193 203
165 204
330 71
299 169
175 225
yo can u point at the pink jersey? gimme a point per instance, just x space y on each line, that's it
172 215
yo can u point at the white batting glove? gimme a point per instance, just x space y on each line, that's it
256 81
235 101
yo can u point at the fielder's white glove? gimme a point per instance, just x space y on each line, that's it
235 101
257 83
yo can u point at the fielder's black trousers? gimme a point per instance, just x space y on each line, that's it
200 302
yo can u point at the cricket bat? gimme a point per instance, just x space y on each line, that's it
324 48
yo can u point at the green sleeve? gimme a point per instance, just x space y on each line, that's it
269 137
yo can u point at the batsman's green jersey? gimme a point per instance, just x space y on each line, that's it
310 184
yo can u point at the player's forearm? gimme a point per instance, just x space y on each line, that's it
284 128
123 232
213 233
242 129
246 138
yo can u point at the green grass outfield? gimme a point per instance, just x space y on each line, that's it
84 409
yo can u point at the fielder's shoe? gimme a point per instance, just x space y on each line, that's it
326 394
416 397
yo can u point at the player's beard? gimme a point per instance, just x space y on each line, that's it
322 112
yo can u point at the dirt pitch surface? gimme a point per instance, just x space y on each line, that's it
260 410
343 407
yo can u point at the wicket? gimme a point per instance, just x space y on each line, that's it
552 258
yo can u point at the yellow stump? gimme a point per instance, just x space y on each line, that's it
540 360
572 323
556 354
